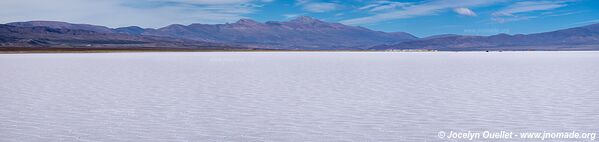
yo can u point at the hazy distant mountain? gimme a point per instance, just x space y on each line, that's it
62 25
299 33
46 37
302 33
439 36
580 38
132 30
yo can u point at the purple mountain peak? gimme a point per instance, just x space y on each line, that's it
247 22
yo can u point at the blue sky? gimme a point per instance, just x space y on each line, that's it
419 17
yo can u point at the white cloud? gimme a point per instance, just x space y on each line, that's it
422 9
515 11
464 11
560 13
529 6
320 7
206 2
291 16
317 7
118 13
511 19
587 22
383 5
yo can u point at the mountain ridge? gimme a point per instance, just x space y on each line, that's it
577 38
46 37
301 33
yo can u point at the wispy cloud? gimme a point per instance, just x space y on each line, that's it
383 5
205 2
587 22
320 7
511 19
316 6
116 13
529 6
464 11
517 11
291 16
427 8
560 13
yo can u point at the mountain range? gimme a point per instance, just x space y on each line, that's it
579 38
48 35
302 33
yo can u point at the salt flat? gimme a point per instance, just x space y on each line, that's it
293 96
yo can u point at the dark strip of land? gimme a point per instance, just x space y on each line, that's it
9 50
21 50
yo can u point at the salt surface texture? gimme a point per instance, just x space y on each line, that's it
293 96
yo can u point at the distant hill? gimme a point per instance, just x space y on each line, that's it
579 38
299 33
46 37
62 25
302 33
